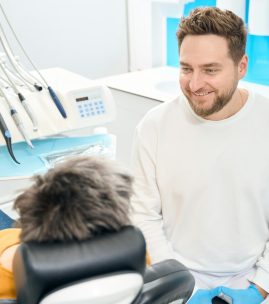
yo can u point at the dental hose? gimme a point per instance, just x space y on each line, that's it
22 99
52 93
17 120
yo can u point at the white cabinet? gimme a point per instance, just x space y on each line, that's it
135 94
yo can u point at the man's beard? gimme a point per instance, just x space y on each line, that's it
219 103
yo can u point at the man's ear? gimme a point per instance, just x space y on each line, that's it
242 66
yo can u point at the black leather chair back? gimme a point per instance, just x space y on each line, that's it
40 268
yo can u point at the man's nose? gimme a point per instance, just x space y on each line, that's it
196 81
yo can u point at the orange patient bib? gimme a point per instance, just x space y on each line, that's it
8 238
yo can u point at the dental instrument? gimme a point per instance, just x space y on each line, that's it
10 55
22 99
7 136
16 118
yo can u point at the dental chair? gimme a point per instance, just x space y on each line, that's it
108 269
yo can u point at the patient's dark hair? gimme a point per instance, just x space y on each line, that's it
78 199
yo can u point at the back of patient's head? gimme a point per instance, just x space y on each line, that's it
78 199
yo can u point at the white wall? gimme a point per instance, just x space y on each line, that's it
139 25
88 37
147 28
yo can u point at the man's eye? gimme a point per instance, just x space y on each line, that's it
211 71
185 69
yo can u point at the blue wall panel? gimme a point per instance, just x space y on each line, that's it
171 42
258 53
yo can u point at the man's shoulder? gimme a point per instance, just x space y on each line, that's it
262 100
260 103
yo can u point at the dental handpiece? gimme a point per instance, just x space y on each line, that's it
57 102
22 99
20 126
21 71
16 118
52 93
6 134
28 110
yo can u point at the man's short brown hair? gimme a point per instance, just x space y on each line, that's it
76 200
212 20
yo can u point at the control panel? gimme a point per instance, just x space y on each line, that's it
91 106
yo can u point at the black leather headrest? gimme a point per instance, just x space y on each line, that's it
40 268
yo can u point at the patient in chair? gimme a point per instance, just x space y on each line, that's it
78 199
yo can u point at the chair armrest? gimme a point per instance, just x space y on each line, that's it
166 282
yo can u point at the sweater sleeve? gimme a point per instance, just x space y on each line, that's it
262 275
146 202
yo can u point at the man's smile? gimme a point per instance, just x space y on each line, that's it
201 94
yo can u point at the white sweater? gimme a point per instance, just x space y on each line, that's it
202 188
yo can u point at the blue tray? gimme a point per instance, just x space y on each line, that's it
30 159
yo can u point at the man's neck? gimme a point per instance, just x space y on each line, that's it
236 103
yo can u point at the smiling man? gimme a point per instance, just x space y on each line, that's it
209 77
201 166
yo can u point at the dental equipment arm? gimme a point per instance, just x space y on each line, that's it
22 99
52 93
16 118
28 76
17 78
14 62
10 55
6 134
